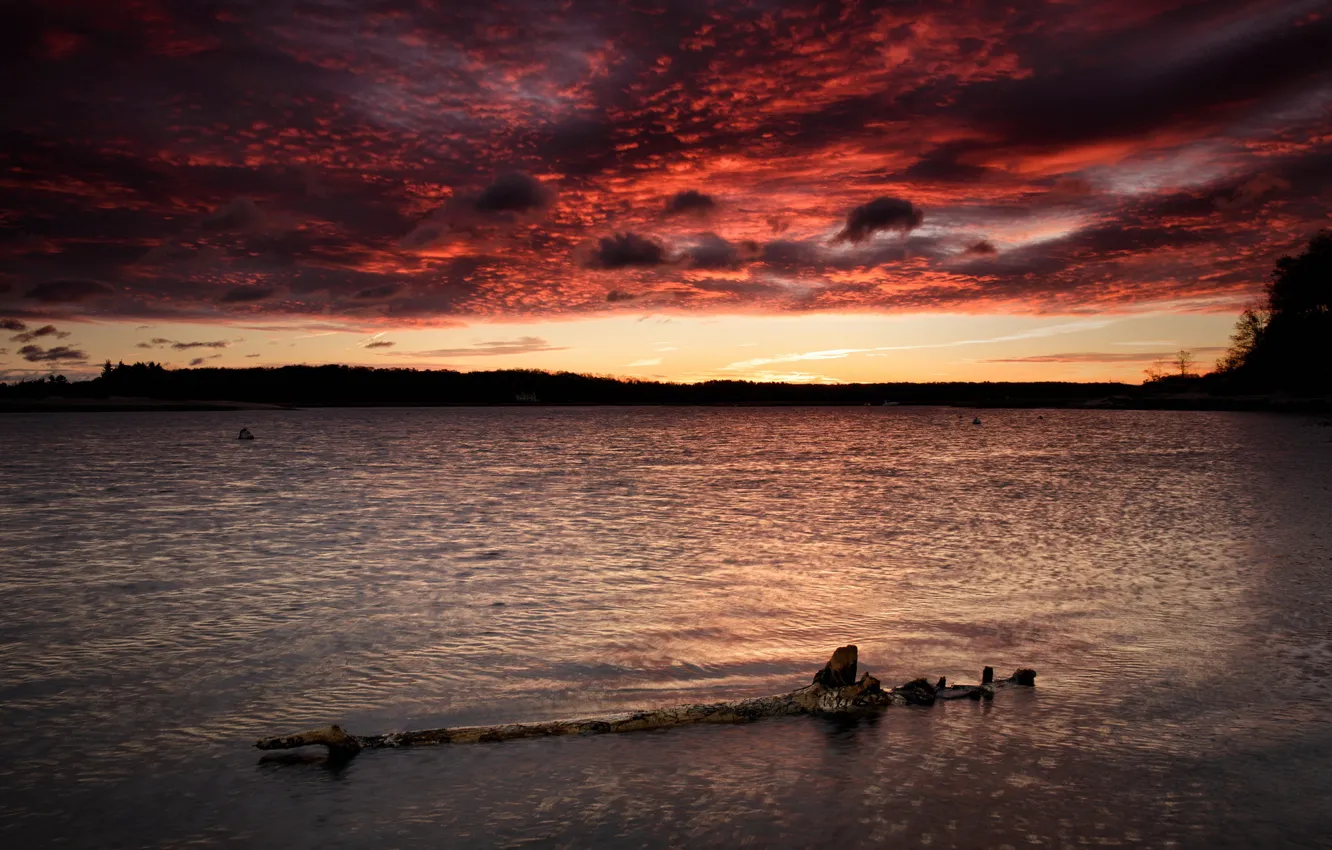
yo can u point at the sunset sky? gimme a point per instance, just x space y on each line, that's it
838 191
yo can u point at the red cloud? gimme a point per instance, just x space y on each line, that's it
417 165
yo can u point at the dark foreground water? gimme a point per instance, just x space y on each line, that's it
169 594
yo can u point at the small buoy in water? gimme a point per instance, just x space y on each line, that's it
976 421
245 434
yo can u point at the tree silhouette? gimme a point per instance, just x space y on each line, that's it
1184 361
1169 372
1286 343
1245 338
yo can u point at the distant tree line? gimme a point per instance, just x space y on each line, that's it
336 385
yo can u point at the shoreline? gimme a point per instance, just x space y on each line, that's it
1257 404
128 405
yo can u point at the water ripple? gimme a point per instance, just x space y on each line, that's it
171 592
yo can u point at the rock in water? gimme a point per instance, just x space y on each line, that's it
840 670
917 692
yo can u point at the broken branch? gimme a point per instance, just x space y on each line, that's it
835 690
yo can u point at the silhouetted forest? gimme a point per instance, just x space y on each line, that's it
359 385
1285 342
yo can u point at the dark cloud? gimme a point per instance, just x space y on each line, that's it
67 291
581 145
380 343
942 164
512 193
428 233
875 253
747 288
503 206
791 255
12 325
237 214
44 330
378 293
981 248
36 354
1104 356
880 214
616 296
493 348
175 345
713 252
1132 85
626 250
1251 191
1062 264
247 294
690 201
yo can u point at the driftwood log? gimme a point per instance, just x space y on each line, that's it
835 691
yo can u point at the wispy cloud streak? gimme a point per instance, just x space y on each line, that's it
839 353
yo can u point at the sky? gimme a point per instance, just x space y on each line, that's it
835 191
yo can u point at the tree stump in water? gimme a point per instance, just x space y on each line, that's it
840 670
835 690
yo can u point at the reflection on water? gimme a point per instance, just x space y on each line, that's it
172 593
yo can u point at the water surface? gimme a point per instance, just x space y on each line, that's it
171 593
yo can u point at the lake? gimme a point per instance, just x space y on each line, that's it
171 593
